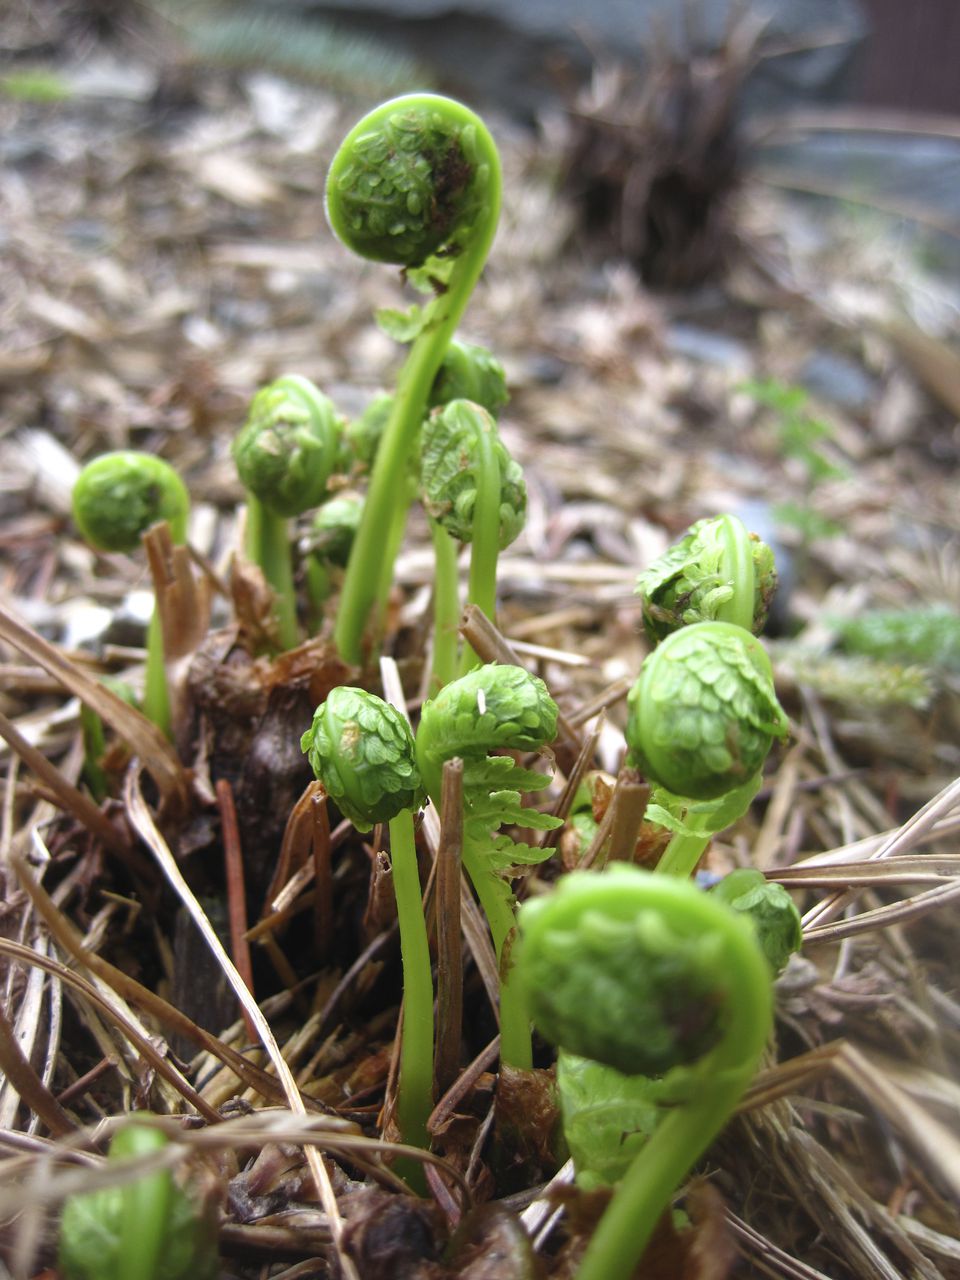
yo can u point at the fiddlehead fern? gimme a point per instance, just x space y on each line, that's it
417 178
493 708
647 974
474 490
332 531
470 372
769 908
116 498
703 713
717 572
284 454
362 750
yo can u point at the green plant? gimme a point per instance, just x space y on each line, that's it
285 455
717 572
144 1228
800 436
470 372
702 717
332 530
35 84
493 708
362 750
95 739
927 634
473 492
116 498
648 975
416 183
769 908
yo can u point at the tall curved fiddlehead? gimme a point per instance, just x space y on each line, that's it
116 498
493 708
285 454
475 492
646 974
417 183
361 748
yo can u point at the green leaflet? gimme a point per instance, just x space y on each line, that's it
607 1117
403 326
705 817
489 805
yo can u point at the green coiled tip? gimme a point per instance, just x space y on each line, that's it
495 706
449 463
334 527
470 372
365 433
289 445
408 180
361 749
628 968
769 908
703 713
695 580
118 496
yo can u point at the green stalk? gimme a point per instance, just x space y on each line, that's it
682 854
446 607
146 1203
389 549
415 1092
268 545
516 1048
485 540
156 696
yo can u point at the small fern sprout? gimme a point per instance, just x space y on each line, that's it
417 183
702 717
650 976
703 713
362 750
769 908
470 372
493 708
474 491
146 1228
717 572
285 454
364 434
116 498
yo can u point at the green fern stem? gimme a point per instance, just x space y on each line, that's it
516 1046
485 540
268 545
737 567
684 851
156 695
415 1092
446 607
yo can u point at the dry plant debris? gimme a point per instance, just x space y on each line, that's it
165 254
